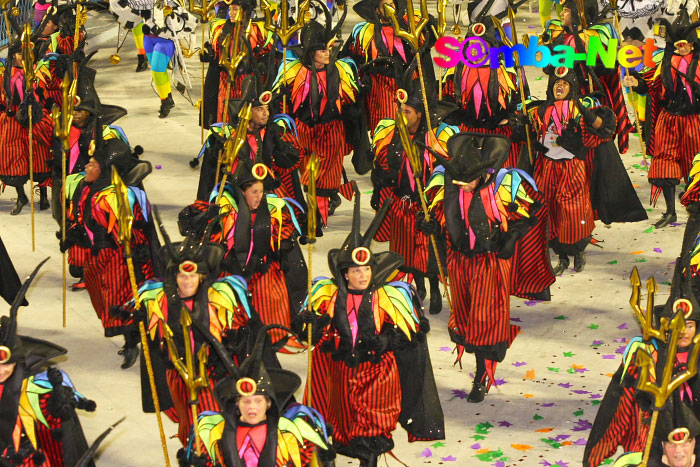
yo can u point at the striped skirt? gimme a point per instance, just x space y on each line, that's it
181 413
381 100
327 140
271 299
567 198
677 142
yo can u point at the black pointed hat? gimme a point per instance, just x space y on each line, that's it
681 29
115 153
88 98
316 36
15 348
474 155
677 422
563 73
411 92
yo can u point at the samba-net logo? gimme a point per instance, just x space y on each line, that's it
475 52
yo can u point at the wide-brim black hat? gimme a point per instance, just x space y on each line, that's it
565 74
474 155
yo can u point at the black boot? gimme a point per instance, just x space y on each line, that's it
165 106
333 203
371 461
435 296
142 63
478 392
665 220
480 386
559 269
579 261
669 216
420 285
130 351
43 199
22 200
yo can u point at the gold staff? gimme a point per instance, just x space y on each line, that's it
126 219
80 20
28 66
413 36
312 169
518 69
414 159
14 11
63 120
234 145
665 387
186 370
649 330
284 31
203 11
440 32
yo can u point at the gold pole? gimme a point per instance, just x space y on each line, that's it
28 65
126 219
312 168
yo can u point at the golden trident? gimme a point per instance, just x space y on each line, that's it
284 31
668 384
647 322
203 11
518 69
28 66
312 169
80 21
14 11
186 370
126 219
233 145
63 121
440 32
412 36
414 158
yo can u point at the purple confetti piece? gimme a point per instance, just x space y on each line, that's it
582 425
561 464
449 458
532 302
460 394
500 381
672 262
658 250
676 224
597 343
581 391
546 464
561 437
582 370
620 350
426 453
623 326
445 349
476 446
549 404
581 442
620 340
565 385
158 166
505 423
595 396
516 320
609 357
499 464
516 364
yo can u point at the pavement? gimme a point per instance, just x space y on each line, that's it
550 383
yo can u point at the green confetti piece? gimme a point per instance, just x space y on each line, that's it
612 262
578 413
439 444
571 371
483 428
551 442
560 317
556 370
367 192
537 417
665 283
489 456
636 155
595 402
640 260
538 78
569 354
649 230
593 326
649 210
478 437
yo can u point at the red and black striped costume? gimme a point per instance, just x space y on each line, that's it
394 179
14 138
260 43
565 182
49 74
93 225
675 117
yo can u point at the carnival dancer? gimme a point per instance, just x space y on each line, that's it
14 131
484 211
29 432
568 130
253 41
322 91
92 223
371 365
258 424
393 177
674 87
220 316
382 57
162 27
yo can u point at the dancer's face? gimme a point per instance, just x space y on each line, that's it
188 284
358 277
679 454
253 195
380 9
566 17
412 116
80 117
683 47
49 28
6 370
561 89
234 11
688 333
92 170
321 58
260 116
253 408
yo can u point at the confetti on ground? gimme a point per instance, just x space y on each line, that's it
449 458
637 252
593 326
517 320
158 166
489 455
623 326
505 423
560 317
649 230
439 444
537 417
612 262
555 370
596 343
569 354
565 385
578 413
460 393
640 260
609 357
658 250
532 302
426 453
544 430
442 349
530 374
483 428
521 447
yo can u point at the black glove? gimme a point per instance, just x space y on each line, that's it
61 403
193 461
23 111
588 115
285 155
379 344
519 127
430 227
570 140
318 325
207 54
